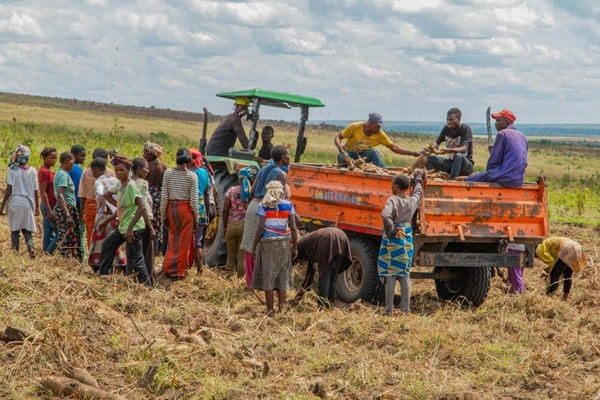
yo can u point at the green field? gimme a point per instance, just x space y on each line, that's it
521 347
572 170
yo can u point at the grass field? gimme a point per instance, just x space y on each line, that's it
512 347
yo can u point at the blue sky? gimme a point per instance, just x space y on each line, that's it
406 59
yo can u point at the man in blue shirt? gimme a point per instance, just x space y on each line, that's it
508 157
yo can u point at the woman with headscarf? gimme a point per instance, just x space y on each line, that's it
179 212
130 210
236 203
21 196
275 171
156 171
106 222
196 166
563 256
66 213
272 248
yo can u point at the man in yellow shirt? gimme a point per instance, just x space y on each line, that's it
362 137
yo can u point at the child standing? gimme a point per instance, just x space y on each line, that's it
274 254
396 251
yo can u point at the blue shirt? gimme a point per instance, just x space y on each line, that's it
75 174
508 160
203 181
265 175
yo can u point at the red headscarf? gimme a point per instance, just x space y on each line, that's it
196 157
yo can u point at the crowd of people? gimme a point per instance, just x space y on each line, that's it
90 214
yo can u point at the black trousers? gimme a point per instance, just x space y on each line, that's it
328 287
133 251
560 269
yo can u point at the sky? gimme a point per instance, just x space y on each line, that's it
409 60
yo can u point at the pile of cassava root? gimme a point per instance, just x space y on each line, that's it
363 166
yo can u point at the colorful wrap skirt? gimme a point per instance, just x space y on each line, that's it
180 250
155 193
69 238
89 217
396 253
98 237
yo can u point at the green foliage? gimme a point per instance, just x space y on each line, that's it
37 137
575 200
161 138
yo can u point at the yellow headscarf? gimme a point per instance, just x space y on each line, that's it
568 250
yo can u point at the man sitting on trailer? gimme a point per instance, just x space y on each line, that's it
459 147
508 158
230 129
362 137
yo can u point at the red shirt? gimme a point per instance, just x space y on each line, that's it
45 175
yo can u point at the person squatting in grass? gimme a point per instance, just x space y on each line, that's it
48 199
106 222
272 248
397 249
139 172
235 206
204 186
21 198
130 210
87 194
329 250
274 171
563 257
65 212
179 211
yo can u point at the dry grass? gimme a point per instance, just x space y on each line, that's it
513 347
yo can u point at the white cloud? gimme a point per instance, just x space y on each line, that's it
407 59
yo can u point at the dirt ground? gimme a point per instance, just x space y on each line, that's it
528 346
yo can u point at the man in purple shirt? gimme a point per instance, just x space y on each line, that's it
508 157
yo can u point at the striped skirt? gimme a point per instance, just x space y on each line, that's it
180 249
273 268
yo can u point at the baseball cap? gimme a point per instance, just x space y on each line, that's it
506 114
375 117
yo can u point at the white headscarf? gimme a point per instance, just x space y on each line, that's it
273 195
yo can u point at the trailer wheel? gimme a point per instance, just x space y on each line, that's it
215 249
471 286
360 279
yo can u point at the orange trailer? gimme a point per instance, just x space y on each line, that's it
461 228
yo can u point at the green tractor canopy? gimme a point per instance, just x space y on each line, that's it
271 98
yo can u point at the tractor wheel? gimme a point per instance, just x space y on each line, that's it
360 280
471 286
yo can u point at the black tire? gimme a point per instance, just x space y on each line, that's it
471 287
360 280
215 249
